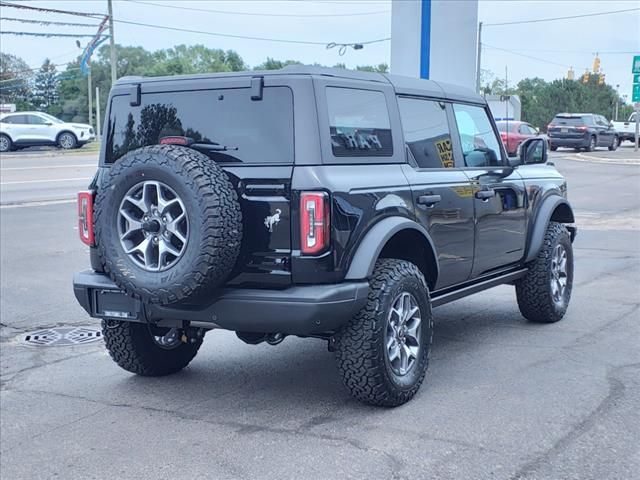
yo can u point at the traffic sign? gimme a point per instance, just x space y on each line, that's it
636 93
636 65
636 78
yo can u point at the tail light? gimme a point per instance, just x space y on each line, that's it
582 129
315 222
85 217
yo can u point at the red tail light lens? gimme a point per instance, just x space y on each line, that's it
85 217
315 222
582 129
550 126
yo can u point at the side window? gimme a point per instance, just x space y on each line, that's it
530 129
359 123
426 132
480 146
524 129
16 120
35 120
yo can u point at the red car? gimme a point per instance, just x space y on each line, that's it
513 133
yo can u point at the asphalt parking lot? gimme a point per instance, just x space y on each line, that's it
503 399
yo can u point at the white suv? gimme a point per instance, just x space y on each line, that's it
28 129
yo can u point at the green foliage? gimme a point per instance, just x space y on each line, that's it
272 64
541 100
45 88
15 81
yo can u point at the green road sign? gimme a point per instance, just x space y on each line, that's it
636 93
636 65
636 78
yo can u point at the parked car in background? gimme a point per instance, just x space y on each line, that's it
29 129
513 133
582 130
626 130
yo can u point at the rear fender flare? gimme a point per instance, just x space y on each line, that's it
554 208
364 260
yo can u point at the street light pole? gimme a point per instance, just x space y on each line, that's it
617 101
479 60
90 97
112 45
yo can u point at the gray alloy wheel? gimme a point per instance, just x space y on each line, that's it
614 145
402 338
153 226
67 141
592 144
5 143
559 274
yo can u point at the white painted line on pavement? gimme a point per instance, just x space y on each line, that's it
48 167
46 181
43 203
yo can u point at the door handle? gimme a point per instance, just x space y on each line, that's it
429 200
485 195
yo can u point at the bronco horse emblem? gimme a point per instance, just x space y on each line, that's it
272 220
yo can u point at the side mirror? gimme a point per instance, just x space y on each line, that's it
537 131
532 151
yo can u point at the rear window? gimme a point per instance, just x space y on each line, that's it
359 123
572 121
502 126
261 130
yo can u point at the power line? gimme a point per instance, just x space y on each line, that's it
47 22
45 34
526 56
51 10
242 37
253 14
560 18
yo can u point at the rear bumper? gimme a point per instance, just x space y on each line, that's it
569 142
298 310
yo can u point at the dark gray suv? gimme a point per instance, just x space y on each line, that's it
582 131
313 202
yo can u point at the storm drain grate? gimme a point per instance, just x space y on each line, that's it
63 336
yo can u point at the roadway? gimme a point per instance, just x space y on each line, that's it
503 398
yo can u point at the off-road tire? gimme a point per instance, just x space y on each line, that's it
614 144
533 291
73 141
6 145
553 148
132 347
360 350
214 216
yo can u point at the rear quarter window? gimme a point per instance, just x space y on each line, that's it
261 130
359 123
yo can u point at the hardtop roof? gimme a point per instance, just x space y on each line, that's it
402 85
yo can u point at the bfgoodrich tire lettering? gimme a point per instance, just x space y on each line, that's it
214 216
133 348
535 290
361 350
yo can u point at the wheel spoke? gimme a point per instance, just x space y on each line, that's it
413 330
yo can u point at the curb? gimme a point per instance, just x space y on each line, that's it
580 157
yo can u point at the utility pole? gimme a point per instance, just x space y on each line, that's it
112 44
98 126
479 59
90 99
617 101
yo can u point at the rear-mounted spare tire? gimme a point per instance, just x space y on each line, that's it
168 224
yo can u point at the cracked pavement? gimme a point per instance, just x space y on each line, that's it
503 398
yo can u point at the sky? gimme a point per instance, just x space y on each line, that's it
545 50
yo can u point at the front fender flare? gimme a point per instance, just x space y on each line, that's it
541 222
364 260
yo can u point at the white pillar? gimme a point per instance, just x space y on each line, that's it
435 39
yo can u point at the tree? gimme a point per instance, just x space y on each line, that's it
15 81
272 64
45 90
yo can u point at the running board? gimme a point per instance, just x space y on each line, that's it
445 296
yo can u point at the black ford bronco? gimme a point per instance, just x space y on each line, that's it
312 202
